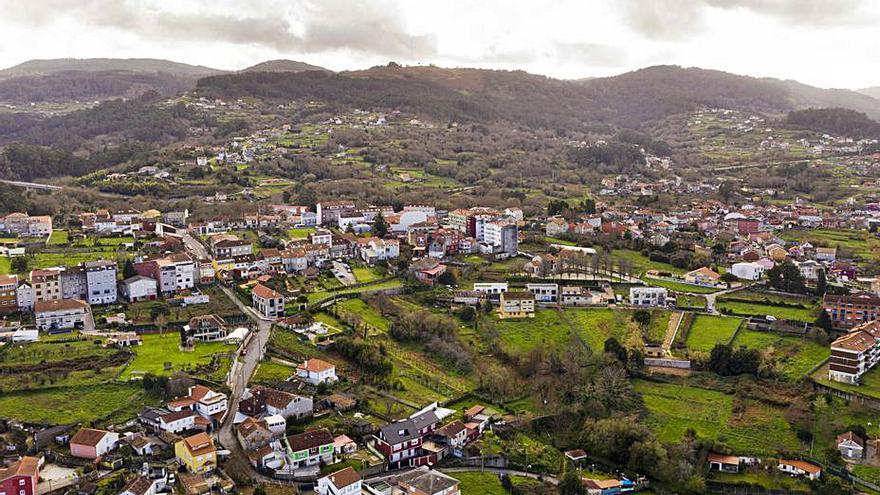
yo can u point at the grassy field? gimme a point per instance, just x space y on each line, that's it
744 308
642 264
300 233
272 372
771 480
706 331
47 352
48 260
389 284
88 404
363 311
485 483
545 329
674 408
161 355
859 243
681 286
59 237
365 274
870 385
794 356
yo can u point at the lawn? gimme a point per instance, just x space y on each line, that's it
486 483
107 403
5 265
314 297
794 356
161 355
272 372
783 312
642 264
48 260
545 329
870 385
357 308
365 274
595 326
773 479
706 331
59 237
300 233
673 408
680 286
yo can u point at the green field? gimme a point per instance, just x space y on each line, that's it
794 356
59 237
674 408
87 404
642 264
783 312
486 483
359 309
161 355
272 372
859 243
47 352
300 233
314 297
706 331
681 286
365 274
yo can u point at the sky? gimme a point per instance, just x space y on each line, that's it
826 43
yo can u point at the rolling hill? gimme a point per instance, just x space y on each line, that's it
283 65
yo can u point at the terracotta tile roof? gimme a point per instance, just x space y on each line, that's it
723 459
88 436
315 365
310 439
59 305
264 292
199 444
26 466
802 465
344 477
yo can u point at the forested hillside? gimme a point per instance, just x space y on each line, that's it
835 121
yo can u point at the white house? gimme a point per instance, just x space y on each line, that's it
139 288
810 269
647 296
316 371
344 482
851 446
269 302
800 468
491 288
545 293
747 271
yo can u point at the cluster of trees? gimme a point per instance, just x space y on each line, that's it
438 333
81 85
726 361
609 158
367 357
835 121
787 277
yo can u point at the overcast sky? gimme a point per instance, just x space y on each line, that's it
828 43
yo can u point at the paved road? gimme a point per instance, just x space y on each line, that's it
343 273
194 246
31 185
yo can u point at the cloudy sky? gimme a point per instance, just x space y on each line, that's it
828 43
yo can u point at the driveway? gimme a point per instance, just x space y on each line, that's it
343 273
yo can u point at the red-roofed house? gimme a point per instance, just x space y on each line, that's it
21 477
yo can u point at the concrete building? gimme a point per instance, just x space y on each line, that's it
61 314
647 296
8 299
100 281
268 302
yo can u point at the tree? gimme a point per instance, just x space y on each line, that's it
824 322
380 226
719 359
728 278
642 317
821 284
19 264
570 484
128 270
613 347
556 207
787 277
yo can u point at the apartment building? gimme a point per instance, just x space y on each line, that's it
647 296
269 302
173 272
61 314
100 278
545 293
46 284
8 298
852 310
853 354
516 305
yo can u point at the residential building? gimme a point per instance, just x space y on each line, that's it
502 236
427 270
851 310
647 296
89 443
206 328
578 296
424 481
196 453
253 434
73 282
544 293
100 281
810 269
800 468
723 463
230 248
263 401
310 448
316 371
61 314
401 442
20 477
46 284
268 302
343 482
172 273
853 354
373 250
208 403
826 254
8 297
178 421
851 446
139 288
702 276
24 296
516 305
747 271
491 288
328 212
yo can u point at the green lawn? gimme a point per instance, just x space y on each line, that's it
106 403
59 237
300 233
365 274
674 408
358 308
680 286
5 265
272 372
706 331
597 325
771 480
486 483
314 297
545 329
48 260
783 312
794 356
642 264
48 352
161 355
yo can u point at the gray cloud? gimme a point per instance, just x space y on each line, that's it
593 54
311 27
677 19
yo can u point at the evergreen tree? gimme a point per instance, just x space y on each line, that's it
380 226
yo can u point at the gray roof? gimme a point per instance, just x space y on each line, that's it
407 429
428 481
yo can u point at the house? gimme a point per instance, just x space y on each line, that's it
800 468
61 314
100 278
20 477
723 463
344 445
196 453
24 297
253 434
401 442
826 254
316 371
647 296
207 403
206 328
343 482
143 485
516 305
556 227
172 273
262 401
427 270
545 293
810 269
468 297
578 296
851 446
268 302
702 276
178 421
425 481
453 435
139 288
576 455
89 443
747 271
491 288
851 310
310 448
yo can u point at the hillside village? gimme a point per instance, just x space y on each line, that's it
377 302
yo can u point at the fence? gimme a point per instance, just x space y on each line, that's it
682 364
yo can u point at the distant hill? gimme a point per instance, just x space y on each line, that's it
835 121
283 65
872 92
59 80
626 100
